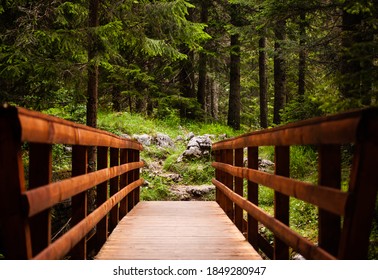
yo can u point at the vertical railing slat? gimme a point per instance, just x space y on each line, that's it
14 225
40 173
281 202
102 196
218 193
130 179
123 184
363 188
136 177
229 182
239 161
79 201
253 196
329 174
114 188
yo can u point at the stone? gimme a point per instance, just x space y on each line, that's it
144 139
126 136
184 192
164 141
198 146
190 136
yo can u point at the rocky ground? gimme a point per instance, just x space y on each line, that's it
192 149
189 148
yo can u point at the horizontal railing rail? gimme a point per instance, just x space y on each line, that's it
25 209
344 218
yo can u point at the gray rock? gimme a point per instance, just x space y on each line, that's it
144 139
190 136
164 141
265 163
184 192
202 142
197 147
222 137
200 190
126 136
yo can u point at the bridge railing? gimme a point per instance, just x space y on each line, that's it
25 211
345 217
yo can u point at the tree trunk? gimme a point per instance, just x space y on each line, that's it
234 97
186 77
357 58
202 63
279 71
92 90
214 98
263 83
302 56
116 99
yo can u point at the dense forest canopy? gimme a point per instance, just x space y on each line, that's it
250 63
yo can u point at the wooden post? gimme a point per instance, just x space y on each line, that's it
253 196
281 202
102 197
329 175
229 182
40 173
136 177
114 188
79 202
13 222
239 161
123 184
217 176
363 188
130 179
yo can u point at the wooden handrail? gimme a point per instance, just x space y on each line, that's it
355 207
25 212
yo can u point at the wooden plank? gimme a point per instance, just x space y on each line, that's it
335 129
42 128
40 174
44 197
186 230
326 198
290 237
62 246
329 174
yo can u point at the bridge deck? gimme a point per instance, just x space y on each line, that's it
187 230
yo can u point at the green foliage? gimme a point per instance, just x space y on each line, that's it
158 189
301 108
303 163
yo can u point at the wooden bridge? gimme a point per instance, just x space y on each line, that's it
122 227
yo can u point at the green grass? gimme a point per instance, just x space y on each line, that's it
126 123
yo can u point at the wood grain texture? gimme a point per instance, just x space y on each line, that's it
187 230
